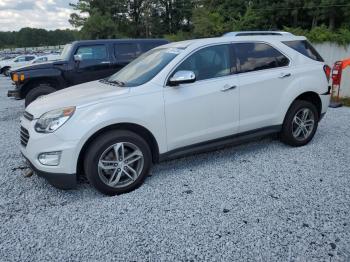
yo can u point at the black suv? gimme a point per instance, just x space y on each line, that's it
81 61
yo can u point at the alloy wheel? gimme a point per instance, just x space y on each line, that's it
303 124
120 164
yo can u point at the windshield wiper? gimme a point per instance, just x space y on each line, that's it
113 82
117 82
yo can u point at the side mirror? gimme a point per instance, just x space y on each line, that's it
182 77
78 58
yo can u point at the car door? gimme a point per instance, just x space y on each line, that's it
19 61
208 108
264 74
95 63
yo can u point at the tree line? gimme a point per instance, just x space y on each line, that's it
31 37
320 20
179 19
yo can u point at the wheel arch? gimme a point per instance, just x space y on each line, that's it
37 81
310 96
138 129
4 68
313 98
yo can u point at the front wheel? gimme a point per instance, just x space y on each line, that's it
36 92
117 162
300 123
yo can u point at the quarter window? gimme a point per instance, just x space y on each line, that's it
209 62
258 56
305 48
96 52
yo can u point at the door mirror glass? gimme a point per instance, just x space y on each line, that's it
78 58
182 77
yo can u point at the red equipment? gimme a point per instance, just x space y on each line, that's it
337 71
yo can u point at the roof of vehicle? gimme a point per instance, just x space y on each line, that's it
120 40
235 38
261 33
48 56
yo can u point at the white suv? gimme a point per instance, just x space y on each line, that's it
174 100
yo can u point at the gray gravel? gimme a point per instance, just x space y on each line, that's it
261 201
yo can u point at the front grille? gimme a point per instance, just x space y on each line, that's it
28 116
24 136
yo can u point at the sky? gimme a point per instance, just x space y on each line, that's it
47 14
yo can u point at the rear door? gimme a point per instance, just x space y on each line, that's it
124 53
95 63
264 74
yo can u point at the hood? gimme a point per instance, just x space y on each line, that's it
79 95
44 65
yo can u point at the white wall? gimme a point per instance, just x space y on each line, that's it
331 53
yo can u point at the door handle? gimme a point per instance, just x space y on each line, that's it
227 88
284 75
105 62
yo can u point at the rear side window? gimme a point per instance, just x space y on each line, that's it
150 45
126 52
29 58
305 48
96 52
258 56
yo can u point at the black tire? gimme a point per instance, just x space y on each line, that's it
36 92
6 71
286 134
100 145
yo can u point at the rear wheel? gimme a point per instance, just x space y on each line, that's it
300 123
117 162
38 91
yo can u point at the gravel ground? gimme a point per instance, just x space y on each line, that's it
261 201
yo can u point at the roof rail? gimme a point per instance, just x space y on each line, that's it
253 33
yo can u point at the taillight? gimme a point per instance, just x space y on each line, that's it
327 71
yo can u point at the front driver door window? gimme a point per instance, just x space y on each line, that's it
94 65
205 109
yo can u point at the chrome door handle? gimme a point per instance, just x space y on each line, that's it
227 88
284 75
105 62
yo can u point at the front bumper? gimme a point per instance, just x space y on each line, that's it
17 92
14 93
63 175
325 100
61 181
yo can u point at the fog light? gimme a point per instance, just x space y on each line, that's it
50 158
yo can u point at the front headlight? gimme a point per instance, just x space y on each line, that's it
53 120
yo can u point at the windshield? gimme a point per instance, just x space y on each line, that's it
144 68
66 52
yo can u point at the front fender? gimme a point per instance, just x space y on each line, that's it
89 120
31 77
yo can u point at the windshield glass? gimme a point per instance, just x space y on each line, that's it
144 68
66 51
